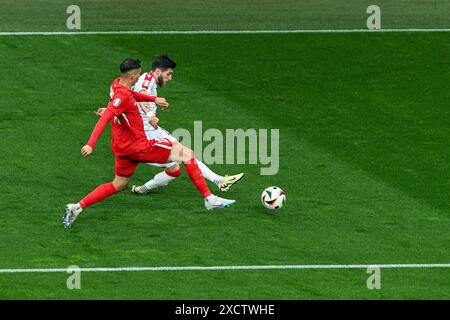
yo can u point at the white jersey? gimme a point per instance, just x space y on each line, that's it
149 83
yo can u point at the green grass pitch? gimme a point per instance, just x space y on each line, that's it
364 153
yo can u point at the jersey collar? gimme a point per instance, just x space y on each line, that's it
156 79
117 83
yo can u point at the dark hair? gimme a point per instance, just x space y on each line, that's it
129 64
163 62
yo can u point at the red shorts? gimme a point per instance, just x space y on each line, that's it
158 151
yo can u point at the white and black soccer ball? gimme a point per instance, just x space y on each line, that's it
273 198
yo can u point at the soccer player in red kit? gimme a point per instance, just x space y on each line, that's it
131 146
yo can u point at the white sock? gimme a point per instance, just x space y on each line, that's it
208 173
159 180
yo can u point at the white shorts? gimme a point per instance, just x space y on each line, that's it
160 134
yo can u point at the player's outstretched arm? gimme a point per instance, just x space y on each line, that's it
142 97
99 127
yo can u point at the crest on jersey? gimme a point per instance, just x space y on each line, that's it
117 102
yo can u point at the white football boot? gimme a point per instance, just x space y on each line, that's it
214 202
139 190
228 181
72 211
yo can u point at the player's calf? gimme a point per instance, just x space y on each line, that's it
72 211
120 183
186 155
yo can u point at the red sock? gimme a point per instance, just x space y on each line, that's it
173 174
98 194
197 177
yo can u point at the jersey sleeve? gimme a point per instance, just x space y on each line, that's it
119 103
99 127
142 97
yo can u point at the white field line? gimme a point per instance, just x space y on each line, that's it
268 267
75 33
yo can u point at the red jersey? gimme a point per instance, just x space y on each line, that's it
127 128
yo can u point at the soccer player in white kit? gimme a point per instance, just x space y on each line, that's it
161 73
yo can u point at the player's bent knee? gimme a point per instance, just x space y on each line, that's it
181 153
174 153
187 154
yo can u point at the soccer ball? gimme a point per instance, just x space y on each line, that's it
273 198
